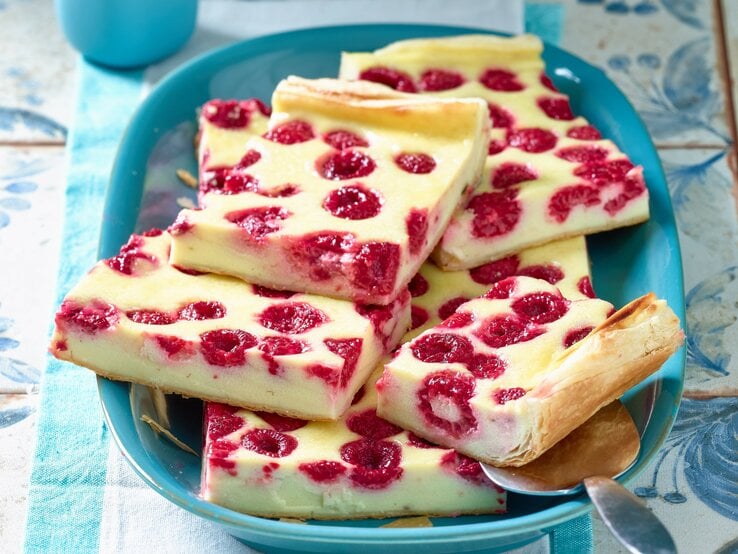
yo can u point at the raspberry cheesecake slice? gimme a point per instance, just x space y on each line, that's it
358 467
513 372
135 318
549 174
345 195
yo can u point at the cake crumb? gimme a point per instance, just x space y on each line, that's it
187 178
157 427
420 521
184 202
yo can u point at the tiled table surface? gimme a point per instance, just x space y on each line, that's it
673 58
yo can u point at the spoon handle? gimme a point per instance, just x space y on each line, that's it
630 522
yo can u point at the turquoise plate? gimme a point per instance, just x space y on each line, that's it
143 193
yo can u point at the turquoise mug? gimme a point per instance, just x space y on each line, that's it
127 33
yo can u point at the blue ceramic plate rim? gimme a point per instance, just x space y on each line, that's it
122 206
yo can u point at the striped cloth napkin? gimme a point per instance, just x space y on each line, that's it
84 497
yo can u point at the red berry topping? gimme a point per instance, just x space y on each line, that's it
340 140
291 132
322 252
150 317
501 80
495 213
433 80
631 188
330 375
505 330
419 442
152 233
418 317
499 117
282 346
415 162
502 289
98 316
226 347
492 272
457 320
532 139
174 345
187 271
259 222
575 335
236 182
502 396
603 173
369 425
376 462
130 253
585 287
228 114
222 420
248 159
180 226
583 154
292 318
359 395
375 267
269 442
584 132
281 423
353 202
378 315
486 366
556 108
444 402
389 77
511 173
464 467
345 164
495 147
566 198
546 82
418 285
548 272
540 307
323 471
416 225
438 348
447 309
271 293
349 350
196 311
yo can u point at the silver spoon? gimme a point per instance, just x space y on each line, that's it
591 457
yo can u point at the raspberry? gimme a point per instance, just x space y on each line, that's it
236 182
281 423
585 287
501 80
556 108
322 252
584 132
499 117
532 139
359 395
222 420
418 286
419 442
433 80
566 198
353 202
187 271
505 330
154 232
486 366
457 320
583 154
548 272
502 396
415 162
540 307
226 347
495 213
447 309
345 164
376 462
369 425
323 471
95 317
416 224
259 222
292 318
228 114
418 317
213 182
437 348
271 293
511 173
130 252
180 226
389 77
282 346
150 317
603 173
249 158
464 467
341 139
174 345
444 402
378 315
197 311
632 188
575 335
330 375
269 442
492 272
375 267
349 350
546 82
495 147
291 132
502 289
